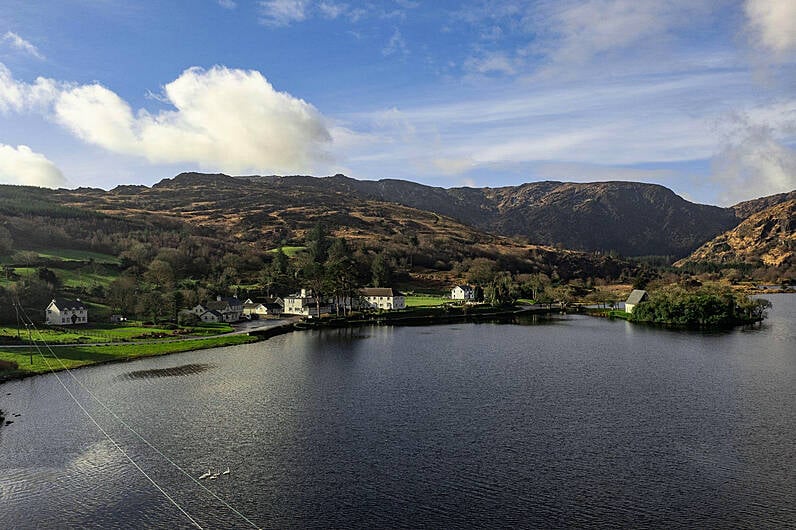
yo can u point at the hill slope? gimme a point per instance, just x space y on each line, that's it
627 217
767 237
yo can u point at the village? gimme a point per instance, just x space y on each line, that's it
303 303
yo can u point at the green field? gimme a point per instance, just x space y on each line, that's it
99 333
70 278
425 300
289 251
64 254
78 255
75 356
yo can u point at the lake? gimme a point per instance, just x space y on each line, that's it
574 421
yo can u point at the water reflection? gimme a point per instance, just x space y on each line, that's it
570 422
173 371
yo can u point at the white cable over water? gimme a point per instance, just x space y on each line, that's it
110 438
130 428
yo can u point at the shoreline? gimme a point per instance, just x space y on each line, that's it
432 318
423 316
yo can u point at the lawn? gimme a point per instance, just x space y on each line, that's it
75 356
425 300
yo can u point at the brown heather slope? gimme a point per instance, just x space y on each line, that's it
631 218
767 237
264 212
746 208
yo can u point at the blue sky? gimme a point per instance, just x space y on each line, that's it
697 95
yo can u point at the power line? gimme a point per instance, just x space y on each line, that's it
121 450
126 425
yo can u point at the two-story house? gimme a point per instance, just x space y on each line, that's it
63 312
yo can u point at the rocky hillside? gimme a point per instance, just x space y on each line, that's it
627 217
767 237
747 208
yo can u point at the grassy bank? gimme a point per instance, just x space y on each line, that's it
82 355
99 333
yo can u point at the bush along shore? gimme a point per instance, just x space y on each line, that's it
706 307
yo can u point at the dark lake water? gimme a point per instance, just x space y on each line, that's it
573 422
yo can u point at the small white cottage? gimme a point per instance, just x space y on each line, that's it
635 298
383 298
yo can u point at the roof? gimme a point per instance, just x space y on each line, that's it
637 296
214 312
231 300
252 305
63 303
379 291
464 287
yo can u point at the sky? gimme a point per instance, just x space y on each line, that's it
696 95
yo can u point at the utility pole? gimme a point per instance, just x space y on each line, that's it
31 342
16 309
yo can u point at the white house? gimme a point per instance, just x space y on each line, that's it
256 309
635 298
463 292
199 310
383 298
62 312
304 304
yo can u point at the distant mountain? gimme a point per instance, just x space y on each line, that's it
767 237
627 217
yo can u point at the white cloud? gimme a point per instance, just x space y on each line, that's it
18 96
772 24
754 160
396 45
20 165
228 4
589 28
283 12
231 120
332 9
17 42
491 63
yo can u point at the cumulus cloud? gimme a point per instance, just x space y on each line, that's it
283 12
232 120
17 42
754 160
18 96
20 165
772 24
